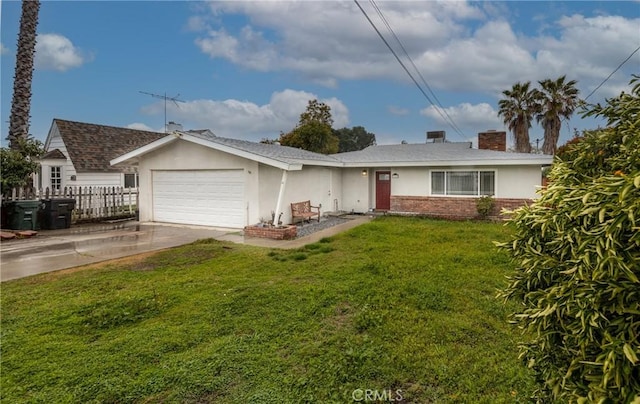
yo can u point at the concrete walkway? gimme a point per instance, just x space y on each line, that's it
53 250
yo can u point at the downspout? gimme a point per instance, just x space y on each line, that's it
283 184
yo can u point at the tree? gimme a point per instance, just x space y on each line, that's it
313 131
313 136
518 109
316 112
354 139
577 251
21 102
19 163
558 99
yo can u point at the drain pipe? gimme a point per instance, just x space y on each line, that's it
283 183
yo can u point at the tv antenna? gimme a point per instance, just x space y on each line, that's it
165 98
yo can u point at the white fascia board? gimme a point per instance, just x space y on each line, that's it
241 153
321 163
462 163
144 149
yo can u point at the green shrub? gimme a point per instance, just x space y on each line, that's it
578 254
484 206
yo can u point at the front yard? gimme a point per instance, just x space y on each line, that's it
401 309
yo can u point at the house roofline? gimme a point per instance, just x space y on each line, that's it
439 163
134 154
206 143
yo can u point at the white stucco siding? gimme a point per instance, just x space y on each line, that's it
183 155
410 181
356 190
518 182
317 184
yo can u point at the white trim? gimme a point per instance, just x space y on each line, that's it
241 153
440 163
144 149
478 170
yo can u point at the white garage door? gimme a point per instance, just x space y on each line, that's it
203 197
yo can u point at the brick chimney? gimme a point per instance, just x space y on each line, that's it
492 140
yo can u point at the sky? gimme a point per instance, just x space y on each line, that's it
246 69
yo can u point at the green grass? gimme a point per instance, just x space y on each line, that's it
397 304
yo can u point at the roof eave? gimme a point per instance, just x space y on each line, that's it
436 163
283 165
132 156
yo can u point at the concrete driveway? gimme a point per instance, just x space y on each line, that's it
52 250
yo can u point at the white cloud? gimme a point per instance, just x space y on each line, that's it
3 49
457 46
393 110
56 52
142 126
467 116
247 120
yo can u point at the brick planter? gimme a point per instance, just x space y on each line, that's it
275 233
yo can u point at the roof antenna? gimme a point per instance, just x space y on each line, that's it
165 98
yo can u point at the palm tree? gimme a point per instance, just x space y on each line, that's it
518 109
558 100
21 102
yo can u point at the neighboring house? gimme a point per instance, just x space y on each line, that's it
78 154
195 177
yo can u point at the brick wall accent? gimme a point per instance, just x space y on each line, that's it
449 207
275 233
492 140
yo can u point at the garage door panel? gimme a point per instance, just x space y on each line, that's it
206 197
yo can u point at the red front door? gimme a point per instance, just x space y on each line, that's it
383 190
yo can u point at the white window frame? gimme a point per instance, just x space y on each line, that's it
446 179
136 180
56 182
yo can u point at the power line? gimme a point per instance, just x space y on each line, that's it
612 73
403 66
384 19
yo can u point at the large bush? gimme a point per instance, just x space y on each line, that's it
577 249
18 164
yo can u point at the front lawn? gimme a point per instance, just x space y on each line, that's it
399 308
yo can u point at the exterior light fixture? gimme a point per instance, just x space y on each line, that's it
395 175
364 173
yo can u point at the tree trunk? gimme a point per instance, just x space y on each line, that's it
551 135
21 102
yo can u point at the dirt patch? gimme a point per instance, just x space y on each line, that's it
130 260
342 315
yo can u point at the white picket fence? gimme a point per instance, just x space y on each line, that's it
91 202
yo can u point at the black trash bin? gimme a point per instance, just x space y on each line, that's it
21 215
56 213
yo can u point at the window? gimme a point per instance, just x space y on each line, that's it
466 183
56 177
131 180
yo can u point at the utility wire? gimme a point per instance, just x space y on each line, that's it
401 63
404 50
612 73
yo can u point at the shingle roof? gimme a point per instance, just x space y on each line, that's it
91 147
54 154
434 152
285 154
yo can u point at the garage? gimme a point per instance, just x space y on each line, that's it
199 197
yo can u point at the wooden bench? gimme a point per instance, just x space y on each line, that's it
303 211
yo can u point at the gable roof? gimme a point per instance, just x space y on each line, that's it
283 157
91 147
290 158
54 154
